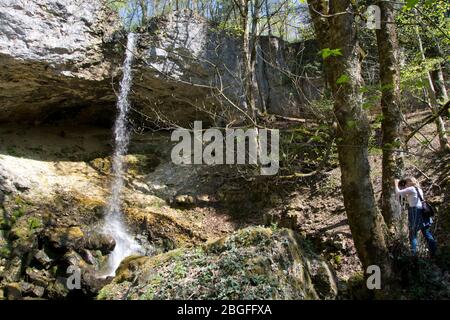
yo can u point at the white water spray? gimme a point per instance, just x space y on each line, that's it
114 225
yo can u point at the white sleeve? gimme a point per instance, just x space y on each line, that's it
406 191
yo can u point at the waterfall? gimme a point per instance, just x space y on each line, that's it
114 224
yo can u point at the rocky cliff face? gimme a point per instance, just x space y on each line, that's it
189 66
61 59
56 57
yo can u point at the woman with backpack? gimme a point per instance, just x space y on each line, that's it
417 219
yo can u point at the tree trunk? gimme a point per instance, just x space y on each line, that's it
433 101
388 55
247 65
254 44
353 132
143 4
437 75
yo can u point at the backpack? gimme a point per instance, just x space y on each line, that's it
427 210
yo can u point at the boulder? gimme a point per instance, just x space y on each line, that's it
57 289
13 270
38 291
72 258
65 238
252 263
13 291
39 277
73 238
43 258
99 241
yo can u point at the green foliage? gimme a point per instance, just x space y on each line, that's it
337 259
34 223
304 150
327 52
230 28
17 213
343 79
5 252
274 226
411 3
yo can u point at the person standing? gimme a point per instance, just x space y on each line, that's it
409 187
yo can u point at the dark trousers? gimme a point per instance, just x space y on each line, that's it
416 223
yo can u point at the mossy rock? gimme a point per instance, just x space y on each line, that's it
253 263
140 164
65 238
102 165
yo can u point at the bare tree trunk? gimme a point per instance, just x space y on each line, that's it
432 101
254 43
247 65
439 83
344 75
388 55
269 24
143 4
437 75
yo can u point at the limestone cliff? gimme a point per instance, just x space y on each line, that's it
61 59
55 58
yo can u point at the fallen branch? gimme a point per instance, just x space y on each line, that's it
290 118
429 120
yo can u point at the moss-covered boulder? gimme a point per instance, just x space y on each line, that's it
253 263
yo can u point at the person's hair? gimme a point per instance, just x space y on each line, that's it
411 180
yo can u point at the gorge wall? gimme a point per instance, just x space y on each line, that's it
61 59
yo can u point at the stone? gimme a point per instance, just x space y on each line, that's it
39 277
65 238
72 258
57 289
12 291
99 241
43 258
13 270
88 257
184 200
182 48
323 279
38 291
25 287
91 283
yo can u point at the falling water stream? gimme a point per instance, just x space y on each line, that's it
114 225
